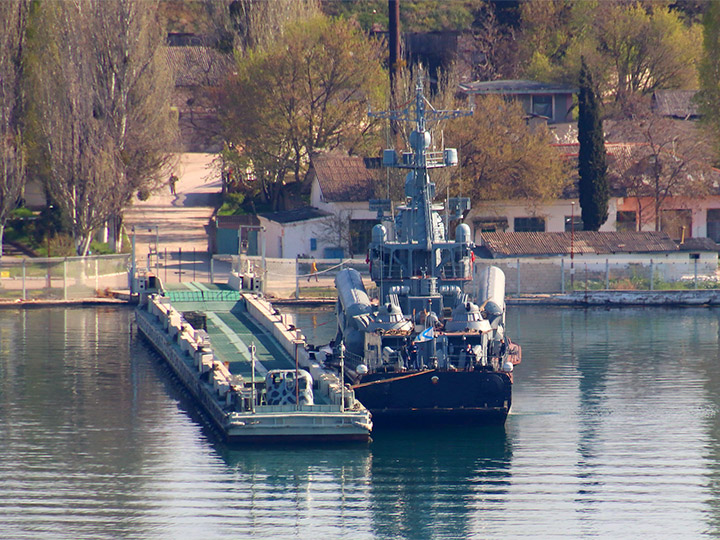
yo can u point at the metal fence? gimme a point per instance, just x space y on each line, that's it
62 278
527 276
296 278
292 278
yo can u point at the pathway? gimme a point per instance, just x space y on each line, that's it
179 222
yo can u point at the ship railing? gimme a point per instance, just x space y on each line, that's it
352 360
463 360
435 159
292 408
203 296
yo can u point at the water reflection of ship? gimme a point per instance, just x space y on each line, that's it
425 352
409 483
429 484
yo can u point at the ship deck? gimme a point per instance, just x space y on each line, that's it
231 329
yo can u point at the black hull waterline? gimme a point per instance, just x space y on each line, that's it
436 397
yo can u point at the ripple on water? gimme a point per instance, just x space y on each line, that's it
613 434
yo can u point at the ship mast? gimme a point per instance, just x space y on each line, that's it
418 227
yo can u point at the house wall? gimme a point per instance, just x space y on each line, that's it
554 213
355 210
290 240
562 104
351 210
698 208
563 108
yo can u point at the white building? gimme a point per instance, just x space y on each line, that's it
338 223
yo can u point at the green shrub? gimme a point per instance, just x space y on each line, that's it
232 205
100 248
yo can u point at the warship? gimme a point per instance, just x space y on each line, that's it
432 347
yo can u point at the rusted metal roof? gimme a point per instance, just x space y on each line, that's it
510 244
343 178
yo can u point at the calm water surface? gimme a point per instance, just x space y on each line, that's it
614 433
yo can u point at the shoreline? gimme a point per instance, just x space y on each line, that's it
672 298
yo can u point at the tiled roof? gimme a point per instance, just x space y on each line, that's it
343 178
198 65
509 244
677 103
515 86
298 214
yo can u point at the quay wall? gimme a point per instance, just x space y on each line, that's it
708 297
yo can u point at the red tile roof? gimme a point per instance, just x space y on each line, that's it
343 178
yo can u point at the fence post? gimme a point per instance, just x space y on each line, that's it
212 268
518 276
65 278
297 280
23 275
607 274
652 276
562 275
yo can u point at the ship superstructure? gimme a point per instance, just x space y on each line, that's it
426 349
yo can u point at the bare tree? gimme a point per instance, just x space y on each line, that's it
14 13
668 159
102 108
335 229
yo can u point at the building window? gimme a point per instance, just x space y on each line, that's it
313 244
487 225
542 106
529 224
625 221
578 222
360 235
713 224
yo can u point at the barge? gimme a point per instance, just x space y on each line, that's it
247 369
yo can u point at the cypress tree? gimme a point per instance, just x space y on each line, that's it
592 167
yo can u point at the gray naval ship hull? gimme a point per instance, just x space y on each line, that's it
436 397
